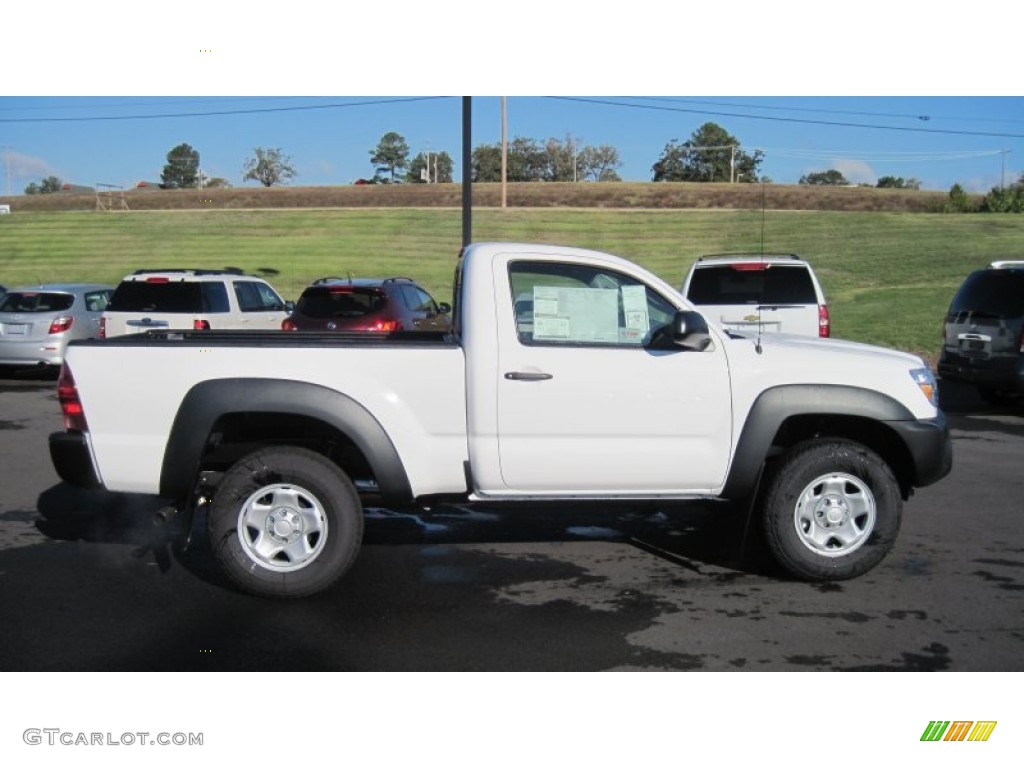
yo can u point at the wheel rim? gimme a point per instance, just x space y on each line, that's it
282 527
835 514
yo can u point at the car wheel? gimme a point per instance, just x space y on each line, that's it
832 510
285 522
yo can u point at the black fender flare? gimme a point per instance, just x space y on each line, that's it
209 400
777 404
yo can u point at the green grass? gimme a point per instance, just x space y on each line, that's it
888 276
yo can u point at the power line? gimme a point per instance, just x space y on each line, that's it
819 110
882 155
620 104
219 112
148 103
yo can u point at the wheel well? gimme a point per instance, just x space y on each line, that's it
871 433
235 435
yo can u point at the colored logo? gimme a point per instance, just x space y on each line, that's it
959 730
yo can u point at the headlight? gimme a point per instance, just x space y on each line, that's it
924 379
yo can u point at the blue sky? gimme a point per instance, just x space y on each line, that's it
973 141
844 91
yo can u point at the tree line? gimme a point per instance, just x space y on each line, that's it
711 154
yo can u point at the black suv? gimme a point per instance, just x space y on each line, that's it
983 336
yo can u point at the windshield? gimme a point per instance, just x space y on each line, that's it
339 301
169 297
25 301
739 284
994 293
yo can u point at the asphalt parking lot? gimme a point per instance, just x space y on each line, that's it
88 583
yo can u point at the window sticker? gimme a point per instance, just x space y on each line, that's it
634 305
575 314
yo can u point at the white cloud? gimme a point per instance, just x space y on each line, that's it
20 166
855 171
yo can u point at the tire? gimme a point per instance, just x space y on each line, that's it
285 522
832 510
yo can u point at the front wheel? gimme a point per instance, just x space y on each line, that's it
285 522
832 510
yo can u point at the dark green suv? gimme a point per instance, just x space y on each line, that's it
983 336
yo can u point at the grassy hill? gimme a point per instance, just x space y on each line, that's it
888 275
888 260
526 195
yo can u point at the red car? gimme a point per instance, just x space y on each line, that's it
369 304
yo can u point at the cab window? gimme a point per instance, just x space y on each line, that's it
583 305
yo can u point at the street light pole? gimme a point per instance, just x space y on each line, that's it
504 154
467 170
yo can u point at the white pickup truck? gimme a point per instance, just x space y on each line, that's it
570 374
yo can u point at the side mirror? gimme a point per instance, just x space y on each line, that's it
690 331
289 307
444 308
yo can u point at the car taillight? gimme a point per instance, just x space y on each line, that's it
60 324
288 325
103 327
67 394
824 323
386 326
200 325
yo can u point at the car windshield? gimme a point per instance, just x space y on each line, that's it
30 301
170 297
760 284
993 293
340 301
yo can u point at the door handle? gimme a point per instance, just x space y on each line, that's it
527 376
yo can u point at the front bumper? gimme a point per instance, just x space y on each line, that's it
72 458
930 446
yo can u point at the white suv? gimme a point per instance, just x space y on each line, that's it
766 293
195 299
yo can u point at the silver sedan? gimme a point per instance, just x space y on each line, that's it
37 322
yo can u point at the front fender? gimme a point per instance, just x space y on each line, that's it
775 405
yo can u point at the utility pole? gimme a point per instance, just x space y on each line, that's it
504 154
467 170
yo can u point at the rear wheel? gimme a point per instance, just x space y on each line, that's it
832 510
285 522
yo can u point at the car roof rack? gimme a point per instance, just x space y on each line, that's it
1007 264
189 271
358 280
748 255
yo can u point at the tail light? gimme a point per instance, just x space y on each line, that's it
60 324
200 325
103 327
824 323
288 325
67 394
